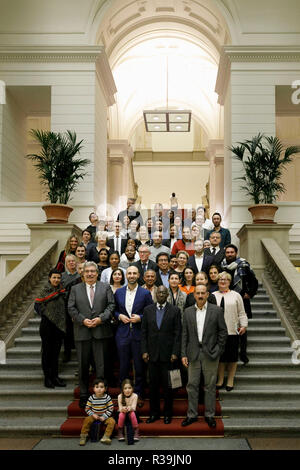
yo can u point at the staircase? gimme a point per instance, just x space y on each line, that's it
27 408
264 402
266 397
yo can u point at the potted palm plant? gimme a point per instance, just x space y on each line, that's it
264 159
59 170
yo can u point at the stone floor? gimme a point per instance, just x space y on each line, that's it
69 444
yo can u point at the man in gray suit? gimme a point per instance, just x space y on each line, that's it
204 334
91 305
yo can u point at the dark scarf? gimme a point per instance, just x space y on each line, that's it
51 304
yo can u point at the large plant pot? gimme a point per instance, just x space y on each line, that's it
57 213
263 213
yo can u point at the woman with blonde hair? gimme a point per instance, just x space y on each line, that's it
70 249
236 321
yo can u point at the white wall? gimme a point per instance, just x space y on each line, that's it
13 151
158 180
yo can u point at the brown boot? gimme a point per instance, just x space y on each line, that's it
106 439
136 436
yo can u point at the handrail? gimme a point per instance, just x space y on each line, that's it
19 284
284 286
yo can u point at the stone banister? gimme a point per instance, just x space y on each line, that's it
282 282
17 289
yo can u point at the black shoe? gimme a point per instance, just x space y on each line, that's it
152 418
49 384
210 421
229 389
218 387
167 419
58 382
244 359
187 421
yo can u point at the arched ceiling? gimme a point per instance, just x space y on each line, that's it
145 38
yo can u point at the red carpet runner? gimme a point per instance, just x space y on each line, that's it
71 427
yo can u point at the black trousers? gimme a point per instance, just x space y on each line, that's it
52 339
69 336
158 376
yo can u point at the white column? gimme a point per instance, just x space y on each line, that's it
215 154
82 88
121 179
246 85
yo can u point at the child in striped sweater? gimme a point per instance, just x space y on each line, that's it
98 407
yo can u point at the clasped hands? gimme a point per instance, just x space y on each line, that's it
132 319
97 417
146 357
92 323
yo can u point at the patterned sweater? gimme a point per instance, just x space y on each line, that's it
102 406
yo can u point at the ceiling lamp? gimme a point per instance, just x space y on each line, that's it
167 120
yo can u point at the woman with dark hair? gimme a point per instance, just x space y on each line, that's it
200 278
70 248
101 240
213 274
103 261
182 259
117 279
50 305
187 284
114 261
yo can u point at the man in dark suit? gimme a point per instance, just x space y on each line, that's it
131 212
196 260
130 303
160 345
91 305
117 242
144 263
215 254
204 334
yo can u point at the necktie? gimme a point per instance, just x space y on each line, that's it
92 294
144 267
117 244
159 317
213 251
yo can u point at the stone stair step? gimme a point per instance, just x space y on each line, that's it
41 411
276 427
259 380
272 330
257 410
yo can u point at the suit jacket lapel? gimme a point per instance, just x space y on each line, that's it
207 318
84 293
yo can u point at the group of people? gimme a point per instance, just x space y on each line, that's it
164 303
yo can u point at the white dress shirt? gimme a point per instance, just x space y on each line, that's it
200 318
88 291
216 247
199 262
129 299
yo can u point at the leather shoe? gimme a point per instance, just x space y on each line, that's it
218 387
210 421
228 389
244 359
151 419
187 421
167 419
59 382
49 384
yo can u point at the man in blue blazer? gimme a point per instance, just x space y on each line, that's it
130 303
